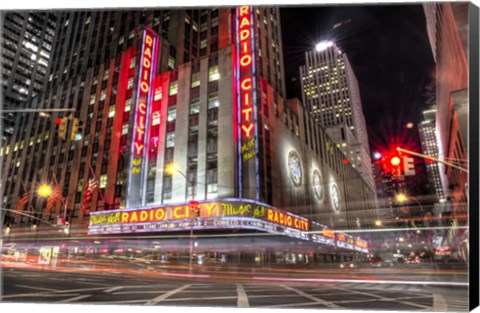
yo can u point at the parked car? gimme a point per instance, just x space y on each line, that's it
347 266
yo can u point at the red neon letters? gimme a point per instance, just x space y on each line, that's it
245 60
145 73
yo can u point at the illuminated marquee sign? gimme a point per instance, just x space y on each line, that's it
361 245
226 214
287 219
142 120
227 208
327 232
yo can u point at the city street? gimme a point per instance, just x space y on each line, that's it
378 289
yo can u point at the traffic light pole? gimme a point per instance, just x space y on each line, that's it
424 156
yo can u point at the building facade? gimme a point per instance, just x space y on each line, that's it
447 26
27 41
232 137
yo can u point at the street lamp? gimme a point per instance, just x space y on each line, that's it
44 191
378 223
402 198
171 169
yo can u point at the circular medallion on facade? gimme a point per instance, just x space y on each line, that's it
295 168
317 184
335 195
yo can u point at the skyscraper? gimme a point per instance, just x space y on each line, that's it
27 39
428 140
331 95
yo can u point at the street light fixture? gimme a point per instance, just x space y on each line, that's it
44 191
401 197
378 223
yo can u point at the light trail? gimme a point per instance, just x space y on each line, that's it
326 280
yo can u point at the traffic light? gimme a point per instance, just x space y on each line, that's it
194 205
77 129
392 163
62 130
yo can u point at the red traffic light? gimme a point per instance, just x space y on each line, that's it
395 161
58 121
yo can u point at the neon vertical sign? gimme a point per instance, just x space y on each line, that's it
248 178
245 62
140 145
145 82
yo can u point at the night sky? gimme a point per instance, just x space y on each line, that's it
389 50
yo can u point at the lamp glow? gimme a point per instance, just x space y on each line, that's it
44 191
323 45
401 197
171 169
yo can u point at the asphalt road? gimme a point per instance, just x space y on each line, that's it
180 289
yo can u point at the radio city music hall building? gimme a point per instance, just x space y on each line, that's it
247 160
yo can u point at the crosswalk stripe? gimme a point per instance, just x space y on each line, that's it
166 295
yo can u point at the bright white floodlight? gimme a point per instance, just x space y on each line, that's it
323 45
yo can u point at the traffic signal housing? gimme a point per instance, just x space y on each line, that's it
391 162
62 129
77 129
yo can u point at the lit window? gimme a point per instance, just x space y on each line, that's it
130 83
171 62
213 74
173 89
128 105
30 46
170 140
125 129
155 118
132 62
172 114
213 102
158 94
111 112
42 62
195 107
103 181
195 79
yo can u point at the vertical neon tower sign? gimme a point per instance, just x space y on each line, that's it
140 144
246 102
